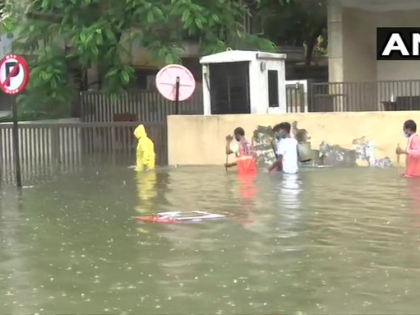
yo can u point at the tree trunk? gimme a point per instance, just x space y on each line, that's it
310 45
100 76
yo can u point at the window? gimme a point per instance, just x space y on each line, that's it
273 88
145 79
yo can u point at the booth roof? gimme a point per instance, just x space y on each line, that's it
240 55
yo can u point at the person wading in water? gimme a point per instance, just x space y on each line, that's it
412 151
287 150
244 152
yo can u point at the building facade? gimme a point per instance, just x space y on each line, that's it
352 39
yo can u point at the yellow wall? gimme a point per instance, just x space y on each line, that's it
200 140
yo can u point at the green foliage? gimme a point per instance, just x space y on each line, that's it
296 23
65 36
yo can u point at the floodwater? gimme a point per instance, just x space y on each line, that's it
329 241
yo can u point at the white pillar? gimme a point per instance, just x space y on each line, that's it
335 42
282 87
206 89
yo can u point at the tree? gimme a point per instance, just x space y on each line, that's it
296 23
68 37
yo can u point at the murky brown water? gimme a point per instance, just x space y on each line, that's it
329 241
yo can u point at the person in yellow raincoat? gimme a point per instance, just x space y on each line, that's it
145 155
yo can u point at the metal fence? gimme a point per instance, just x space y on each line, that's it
296 97
301 96
364 96
60 148
144 106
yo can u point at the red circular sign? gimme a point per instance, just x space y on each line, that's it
166 82
14 74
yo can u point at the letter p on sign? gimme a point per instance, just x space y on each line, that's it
14 74
11 71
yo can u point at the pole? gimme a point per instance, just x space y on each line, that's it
16 145
177 96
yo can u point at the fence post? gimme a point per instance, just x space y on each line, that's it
301 98
55 147
82 104
76 106
113 139
310 97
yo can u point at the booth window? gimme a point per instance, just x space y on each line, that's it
273 88
229 92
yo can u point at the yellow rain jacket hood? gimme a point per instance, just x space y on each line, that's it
140 132
146 156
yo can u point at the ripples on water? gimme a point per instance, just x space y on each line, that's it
327 241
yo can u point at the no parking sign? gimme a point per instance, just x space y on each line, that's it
14 78
14 74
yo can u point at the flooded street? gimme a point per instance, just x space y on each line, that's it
329 241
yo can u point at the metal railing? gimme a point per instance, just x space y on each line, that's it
145 106
296 97
364 96
47 148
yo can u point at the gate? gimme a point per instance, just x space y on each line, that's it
48 149
296 96
144 107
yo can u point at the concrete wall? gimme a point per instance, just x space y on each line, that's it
397 70
352 45
359 46
200 140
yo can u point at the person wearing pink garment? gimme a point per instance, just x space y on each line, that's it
413 149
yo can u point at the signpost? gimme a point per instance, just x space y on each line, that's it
176 83
14 78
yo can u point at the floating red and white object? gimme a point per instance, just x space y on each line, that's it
180 217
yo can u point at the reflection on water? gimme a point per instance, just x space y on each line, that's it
146 183
289 189
326 241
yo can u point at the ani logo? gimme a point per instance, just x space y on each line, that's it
400 43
